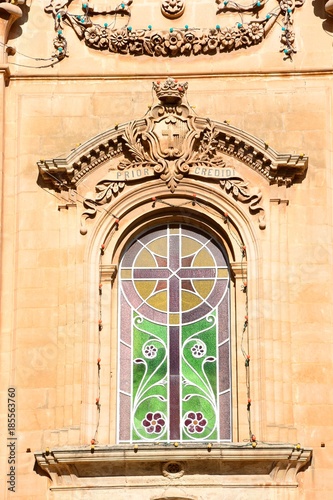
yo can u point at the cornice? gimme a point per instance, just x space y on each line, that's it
4 69
214 465
45 76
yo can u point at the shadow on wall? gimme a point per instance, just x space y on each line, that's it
16 30
324 10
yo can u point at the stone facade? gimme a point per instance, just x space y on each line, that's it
86 165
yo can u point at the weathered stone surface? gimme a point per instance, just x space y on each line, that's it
64 113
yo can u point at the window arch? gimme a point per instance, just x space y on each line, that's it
174 337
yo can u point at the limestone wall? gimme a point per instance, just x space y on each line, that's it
50 273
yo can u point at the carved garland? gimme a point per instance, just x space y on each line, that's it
175 42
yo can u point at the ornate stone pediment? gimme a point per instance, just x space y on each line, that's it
171 142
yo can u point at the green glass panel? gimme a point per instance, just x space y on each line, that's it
199 380
149 403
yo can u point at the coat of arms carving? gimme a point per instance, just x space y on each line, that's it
251 25
169 143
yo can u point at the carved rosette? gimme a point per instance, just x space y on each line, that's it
169 143
173 9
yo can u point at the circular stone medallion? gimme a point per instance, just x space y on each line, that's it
173 8
173 470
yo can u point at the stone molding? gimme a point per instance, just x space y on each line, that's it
197 465
276 168
239 269
5 72
141 144
109 273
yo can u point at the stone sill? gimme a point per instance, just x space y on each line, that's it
234 465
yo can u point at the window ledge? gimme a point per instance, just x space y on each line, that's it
191 465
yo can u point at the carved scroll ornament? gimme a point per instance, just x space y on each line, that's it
10 11
173 8
171 143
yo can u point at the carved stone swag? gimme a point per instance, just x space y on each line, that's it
176 41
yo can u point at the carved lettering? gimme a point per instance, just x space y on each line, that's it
217 173
133 174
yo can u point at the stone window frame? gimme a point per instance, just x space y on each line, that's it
114 243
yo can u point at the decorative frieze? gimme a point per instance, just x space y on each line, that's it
175 41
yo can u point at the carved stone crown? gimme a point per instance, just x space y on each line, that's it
170 91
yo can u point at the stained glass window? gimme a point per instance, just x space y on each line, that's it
174 345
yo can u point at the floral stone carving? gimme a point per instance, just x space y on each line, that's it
171 143
269 467
173 42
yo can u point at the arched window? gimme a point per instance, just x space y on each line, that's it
174 341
